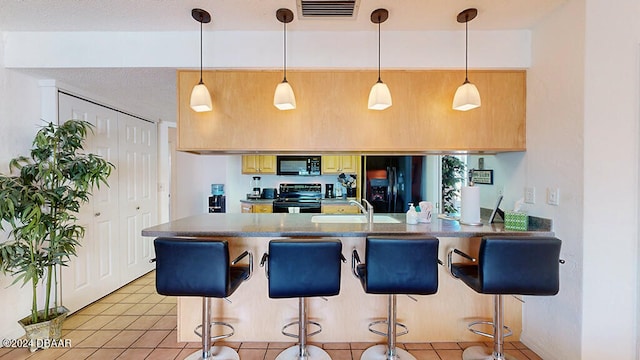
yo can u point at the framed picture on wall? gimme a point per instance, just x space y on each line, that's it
484 177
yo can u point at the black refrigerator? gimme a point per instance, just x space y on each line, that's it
392 182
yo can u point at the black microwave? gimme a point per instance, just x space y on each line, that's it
299 165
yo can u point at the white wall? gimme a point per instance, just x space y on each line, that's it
19 121
611 154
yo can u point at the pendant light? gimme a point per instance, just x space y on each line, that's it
200 97
467 96
380 96
284 98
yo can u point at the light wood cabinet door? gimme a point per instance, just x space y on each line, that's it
246 208
258 164
336 164
340 209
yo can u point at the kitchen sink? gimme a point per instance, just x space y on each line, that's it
353 219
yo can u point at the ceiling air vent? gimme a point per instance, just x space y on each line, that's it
328 8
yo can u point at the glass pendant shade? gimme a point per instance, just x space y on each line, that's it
467 97
379 97
284 98
200 98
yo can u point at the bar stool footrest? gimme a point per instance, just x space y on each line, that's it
482 333
296 323
377 332
217 337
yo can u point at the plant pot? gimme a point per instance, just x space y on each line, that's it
38 332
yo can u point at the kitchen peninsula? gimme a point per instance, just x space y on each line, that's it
439 317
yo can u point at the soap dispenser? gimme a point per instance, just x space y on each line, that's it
412 215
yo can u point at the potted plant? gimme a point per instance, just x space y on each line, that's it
39 200
453 172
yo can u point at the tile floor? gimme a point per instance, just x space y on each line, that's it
136 323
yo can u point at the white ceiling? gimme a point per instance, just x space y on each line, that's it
175 15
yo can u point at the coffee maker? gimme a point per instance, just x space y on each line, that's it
328 191
217 201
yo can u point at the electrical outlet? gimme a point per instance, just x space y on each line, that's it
530 195
553 196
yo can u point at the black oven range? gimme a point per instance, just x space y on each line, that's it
298 198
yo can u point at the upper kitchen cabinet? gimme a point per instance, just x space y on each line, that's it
258 164
337 164
332 115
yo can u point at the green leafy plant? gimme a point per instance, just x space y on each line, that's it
453 172
39 200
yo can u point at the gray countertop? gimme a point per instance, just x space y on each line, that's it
293 225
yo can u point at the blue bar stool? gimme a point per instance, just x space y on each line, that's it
518 265
193 267
301 269
396 265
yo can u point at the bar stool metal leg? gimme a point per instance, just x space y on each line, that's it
389 351
497 353
303 351
208 352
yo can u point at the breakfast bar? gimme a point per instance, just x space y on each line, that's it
345 317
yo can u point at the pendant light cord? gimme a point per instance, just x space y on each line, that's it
201 52
466 49
285 52
379 18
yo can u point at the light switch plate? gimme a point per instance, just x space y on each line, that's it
530 195
553 196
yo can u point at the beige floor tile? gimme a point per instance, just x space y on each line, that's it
135 354
160 309
75 320
450 354
336 346
117 309
167 322
445 346
163 354
465 345
271 354
105 354
147 289
97 322
113 298
77 354
425 354
150 339
133 298
230 344
339 354
168 300
254 345
518 345
16 354
171 341
4 350
94 309
52 353
144 322
193 345
186 352
361 345
120 322
124 339
252 354
418 346
97 339
138 309
356 354
77 336
155 298
129 289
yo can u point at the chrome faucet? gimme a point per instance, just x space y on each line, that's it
367 211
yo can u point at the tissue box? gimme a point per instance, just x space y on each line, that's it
515 220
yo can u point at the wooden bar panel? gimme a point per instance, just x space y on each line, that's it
332 114
440 317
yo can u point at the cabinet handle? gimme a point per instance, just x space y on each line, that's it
137 207
97 214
